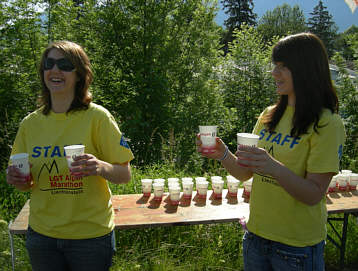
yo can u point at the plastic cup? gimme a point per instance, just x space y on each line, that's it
21 161
146 187
173 181
186 179
199 179
353 181
174 193
247 188
202 187
159 181
72 151
217 185
232 185
346 171
208 138
247 139
342 180
158 189
187 189
216 178
332 185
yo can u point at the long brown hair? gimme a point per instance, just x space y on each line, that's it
80 60
304 54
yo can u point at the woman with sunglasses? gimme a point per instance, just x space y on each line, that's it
71 223
299 150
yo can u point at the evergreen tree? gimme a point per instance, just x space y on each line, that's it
323 26
240 12
281 21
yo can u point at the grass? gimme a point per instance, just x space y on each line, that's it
183 248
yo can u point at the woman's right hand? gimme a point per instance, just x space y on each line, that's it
16 178
217 153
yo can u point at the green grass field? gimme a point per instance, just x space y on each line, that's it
182 248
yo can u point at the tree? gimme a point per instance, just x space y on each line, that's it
344 44
323 26
283 20
240 12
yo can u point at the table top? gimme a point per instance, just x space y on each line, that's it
136 211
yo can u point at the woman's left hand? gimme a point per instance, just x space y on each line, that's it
257 159
86 165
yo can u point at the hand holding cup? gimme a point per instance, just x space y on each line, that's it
216 153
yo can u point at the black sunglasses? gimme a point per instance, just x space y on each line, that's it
62 63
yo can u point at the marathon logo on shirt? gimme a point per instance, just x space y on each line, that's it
57 182
279 138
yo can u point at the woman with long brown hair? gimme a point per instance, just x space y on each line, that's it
300 145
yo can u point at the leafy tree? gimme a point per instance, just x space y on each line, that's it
348 97
20 41
152 63
239 12
281 21
246 83
344 44
323 26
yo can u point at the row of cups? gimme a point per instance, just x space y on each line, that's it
346 180
187 183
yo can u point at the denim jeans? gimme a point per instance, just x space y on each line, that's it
263 255
46 253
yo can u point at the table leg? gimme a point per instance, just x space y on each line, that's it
342 238
12 247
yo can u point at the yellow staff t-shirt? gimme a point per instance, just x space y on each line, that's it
275 214
62 205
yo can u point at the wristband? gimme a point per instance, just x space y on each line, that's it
225 154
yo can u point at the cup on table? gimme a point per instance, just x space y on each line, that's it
247 188
217 185
173 181
232 185
247 139
72 151
158 190
208 138
342 180
199 179
159 180
187 188
202 187
146 187
21 161
353 181
332 185
174 194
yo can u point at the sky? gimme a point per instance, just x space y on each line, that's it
342 15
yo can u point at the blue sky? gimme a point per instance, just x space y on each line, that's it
342 15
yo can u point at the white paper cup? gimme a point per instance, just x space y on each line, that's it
174 193
217 186
232 186
247 188
72 151
199 179
158 189
187 189
186 179
202 187
353 181
208 138
247 139
21 161
216 178
159 180
146 187
342 180
332 185
173 181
